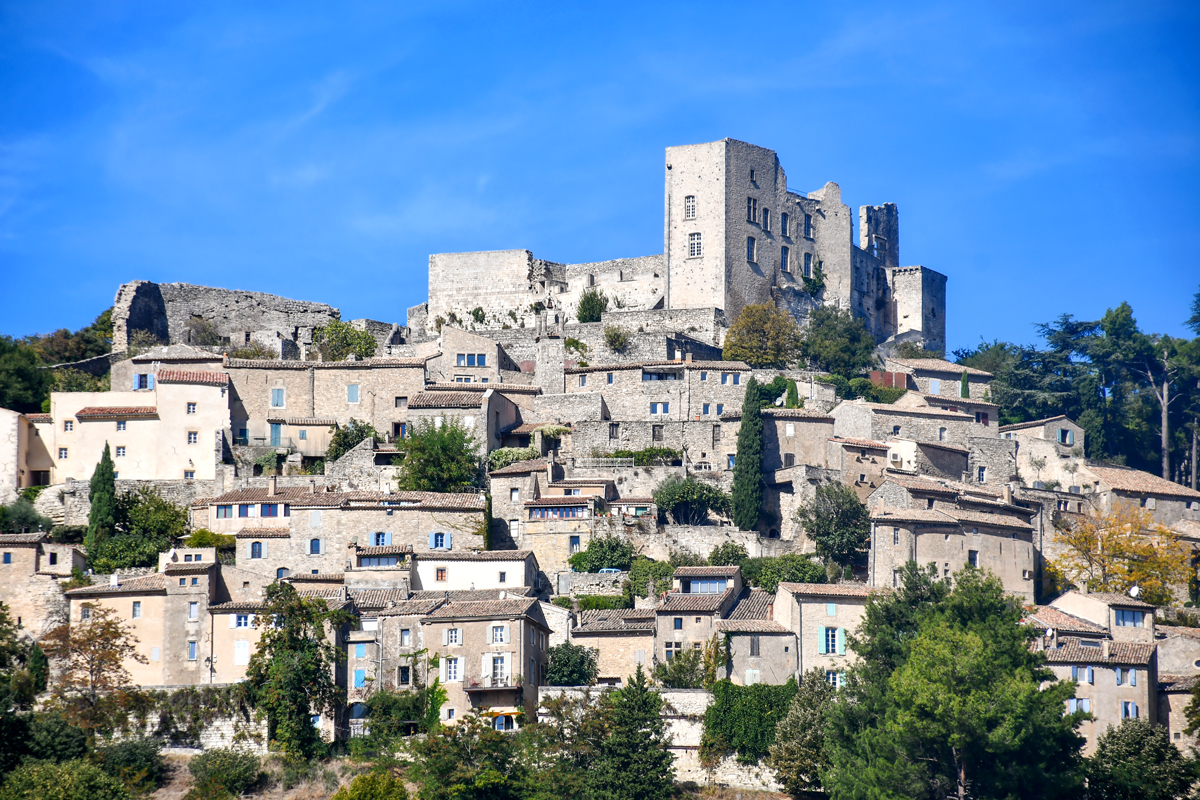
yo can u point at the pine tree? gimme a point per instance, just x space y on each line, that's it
634 762
798 754
747 468
102 493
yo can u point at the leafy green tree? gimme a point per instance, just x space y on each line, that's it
913 350
728 554
798 754
572 665
72 780
102 494
346 437
633 761
22 385
837 522
592 305
465 761
684 670
378 784
836 341
137 762
146 525
291 674
644 572
687 501
768 573
762 336
1193 321
63 346
1137 761
946 699
502 457
338 339
603 552
19 516
439 459
747 469
39 667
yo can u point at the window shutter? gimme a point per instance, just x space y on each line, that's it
1091 678
1074 672
135 381
265 546
151 379
841 641
507 638
445 640
1133 710
1118 676
387 538
485 667
449 546
233 620
821 640
442 666
1133 677
431 541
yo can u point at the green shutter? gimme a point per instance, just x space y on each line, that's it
841 641
821 640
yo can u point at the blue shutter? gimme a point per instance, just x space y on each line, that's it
151 379
135 381
387 538
449 545
431 541
1118 676
1133 677
821 640
841 641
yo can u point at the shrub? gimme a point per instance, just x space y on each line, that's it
684 671
600 602
203 537
220 772
603 552
380 785
687 500
643 570
616 338
742 720
649 457
572 665
138 763
762 336
766 573
504 456
563 602
71 780
52 738
347 437
592 305
268 463
339 339
255 351
727 554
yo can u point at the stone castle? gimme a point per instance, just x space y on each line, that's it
733 235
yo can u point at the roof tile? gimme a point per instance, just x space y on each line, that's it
112 412
192 376
1070 651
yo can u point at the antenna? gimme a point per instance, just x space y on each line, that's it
1134 591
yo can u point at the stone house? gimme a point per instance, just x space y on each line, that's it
701 596
940 378
490 569
383 654
30 568
935 459
556 528
1115 681
1167 501
862 463
468 357
492 654
1178 649
486 416
172 428
136 371
1174 695
858 419
985 412
523 395
1125 618
291 530
510 487
1057 442
623 638
24 454
761 650
821 616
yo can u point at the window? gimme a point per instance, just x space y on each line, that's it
981 417
660 408
832 678
689 207
982 474
182 581
256 550
656 433
574 545
973 558
808 227
120 452
673 649
441 574
244 510
137 609
678 623
895 579
304 435
1129 619
895 430
766 219
120 425
189 474
695 245
808 265
406 638
754 646
751 207
314 547
193 611
269 510
439 541
503 578
935 386
191 408
706 409
720 409
1080 704
403 676
53 559
360 678
751 252
703 376
785 259
783 223
831 640
277 398
68 425
84 613
224 512
1066 436
789 429
62 453
452 636
789 459
191 651
1129 709
497 634
193 437
729 459
895 536
614 430
583 380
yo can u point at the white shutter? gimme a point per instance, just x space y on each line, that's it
504 631
445 637
485 667
264 544
233 620
241 653
442 667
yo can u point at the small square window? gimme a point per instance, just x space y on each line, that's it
120 425
193 437
679 623
68 425
503 577
189 475
610 379
120 452
62 453
583 380
191 408
695 245
441 573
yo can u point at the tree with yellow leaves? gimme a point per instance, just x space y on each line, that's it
1121 549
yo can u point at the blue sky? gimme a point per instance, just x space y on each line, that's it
1044 155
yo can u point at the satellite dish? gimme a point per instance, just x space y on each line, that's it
1049 632
1134 592
779 401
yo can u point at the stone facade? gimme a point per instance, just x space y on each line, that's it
25 458
30 572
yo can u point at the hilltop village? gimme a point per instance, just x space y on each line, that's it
228 405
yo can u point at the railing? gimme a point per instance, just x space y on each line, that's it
359 728
493 682
603 463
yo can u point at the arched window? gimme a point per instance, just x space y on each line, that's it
256 550
314 547
282 573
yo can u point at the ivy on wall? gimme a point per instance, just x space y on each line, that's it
742 720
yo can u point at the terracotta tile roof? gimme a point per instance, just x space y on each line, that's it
626 501
460 595
830 589
522 467
582 482
972 488
366 363
1035 423
320 577
1122 600
23 538
189 568
385 550
1070 651
701 572
748 626
1138 482
694 602
176 352
263 533
617 620
113 412
312 421
258 494
380 598
36 418
782 413
191 376
1050 617
154 582
892 514
301 497
910 411
503 388
1177 630
481 555
1177 683
938 365
990 502
869 444
957 401
445 400
714 366
919 485
565 500
458 609
236 606
752 604
983 518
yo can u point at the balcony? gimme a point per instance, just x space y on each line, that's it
492 683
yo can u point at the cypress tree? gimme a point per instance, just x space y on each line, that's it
793 396
964 386
102 492
747 468
39 667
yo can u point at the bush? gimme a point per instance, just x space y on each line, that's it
649 457
380 785
603 552
762 336
52 738
727 554
138 763
684 671
255 351
600 602
19 516
687 501
572 665
71 780
644 570
742 720
616 338
347 437
504 456
592 305
563 602
221 772
339 339
203 537
766 573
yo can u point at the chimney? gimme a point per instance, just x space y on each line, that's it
312 488
114 580
271 486
1105 648
1008 493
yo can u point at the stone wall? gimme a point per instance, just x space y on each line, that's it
358 471
584 583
